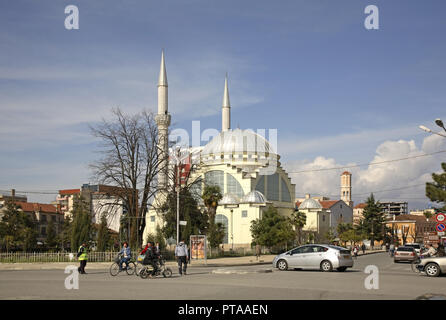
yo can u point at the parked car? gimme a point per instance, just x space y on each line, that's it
433 267
417 246
315 256
404 253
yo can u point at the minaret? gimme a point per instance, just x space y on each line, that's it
163 121
346 188
226 109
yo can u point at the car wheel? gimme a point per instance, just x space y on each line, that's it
282 265
432 270
341 269
326 266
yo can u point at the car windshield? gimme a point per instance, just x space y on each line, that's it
405 249
416 246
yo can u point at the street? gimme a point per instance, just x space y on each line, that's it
396 281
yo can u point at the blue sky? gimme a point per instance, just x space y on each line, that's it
308 68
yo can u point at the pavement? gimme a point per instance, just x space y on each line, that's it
217 262
234 282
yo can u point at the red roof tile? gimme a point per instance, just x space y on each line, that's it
346 172
34 206
69 191
326 204
360 206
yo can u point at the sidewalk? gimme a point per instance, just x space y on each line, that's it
218 262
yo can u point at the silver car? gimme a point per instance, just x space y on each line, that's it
433 266
315 256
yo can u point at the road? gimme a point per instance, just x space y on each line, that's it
396 281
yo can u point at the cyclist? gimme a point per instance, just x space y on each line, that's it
150 257
126 254
431 251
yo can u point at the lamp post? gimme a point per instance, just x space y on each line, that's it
230 201
439 123
178 158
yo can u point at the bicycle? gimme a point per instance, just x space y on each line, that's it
115 268
161 269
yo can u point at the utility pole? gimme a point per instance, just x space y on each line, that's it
178 196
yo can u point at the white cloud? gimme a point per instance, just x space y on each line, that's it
376 178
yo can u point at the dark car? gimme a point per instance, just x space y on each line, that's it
405 254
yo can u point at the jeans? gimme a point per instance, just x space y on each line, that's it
81 268
124 260
182 264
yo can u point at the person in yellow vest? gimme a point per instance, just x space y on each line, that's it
82 257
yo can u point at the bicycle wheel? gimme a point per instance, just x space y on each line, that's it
131 268
144 273
138 269
414 264
167 273
114 269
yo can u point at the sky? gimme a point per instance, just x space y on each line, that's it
337 93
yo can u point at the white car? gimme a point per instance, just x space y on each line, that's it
417 246
315 256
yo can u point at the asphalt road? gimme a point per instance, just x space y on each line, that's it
396 281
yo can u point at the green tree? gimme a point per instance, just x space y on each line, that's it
343 227
373 224
81 229
215 233
436 190
330 235
350 235
51 237
103 235
298 220
197 222
272 229
64 237
17 228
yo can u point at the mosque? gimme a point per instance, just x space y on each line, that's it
241 162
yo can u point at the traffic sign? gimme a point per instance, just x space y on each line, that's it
441 233
440 227
440 217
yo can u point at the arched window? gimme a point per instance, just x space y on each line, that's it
272 192
219 218
286 196
215 178
195 189
233 186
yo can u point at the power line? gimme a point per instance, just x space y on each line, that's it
368 164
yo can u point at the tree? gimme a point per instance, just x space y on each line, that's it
211 196
51 236
17 228
216 235
343 227
64 237
436 191
372 225
131 161
272 229
197 222
329 235
350 235
298 220
103 236
81 229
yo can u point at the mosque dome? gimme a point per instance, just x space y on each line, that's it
229 199
237 140
255 197
310 204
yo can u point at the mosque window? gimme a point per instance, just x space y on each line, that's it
273 187
244 213
215 178
261 185
286 197
233 186
152 218
219 218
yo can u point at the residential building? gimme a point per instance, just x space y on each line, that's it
422 213
358 213
410 228
41 214
394 208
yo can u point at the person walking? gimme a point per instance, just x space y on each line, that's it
363 248
258 251
82 257
391 249
355 252
182 256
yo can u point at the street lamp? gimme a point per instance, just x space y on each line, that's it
230 201
438 123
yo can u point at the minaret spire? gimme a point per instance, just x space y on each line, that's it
226 108
163 121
